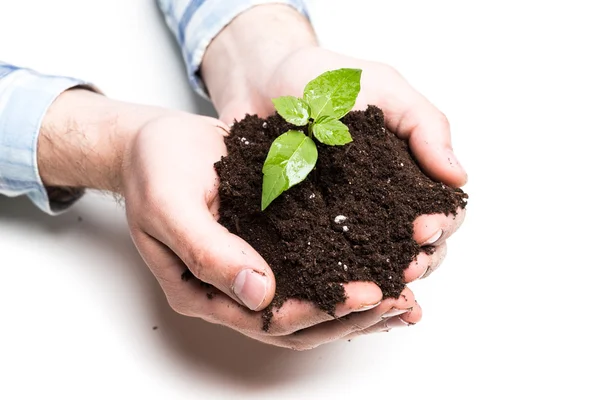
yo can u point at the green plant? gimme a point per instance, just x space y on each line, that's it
293 155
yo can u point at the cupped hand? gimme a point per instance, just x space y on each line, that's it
407 113
171 195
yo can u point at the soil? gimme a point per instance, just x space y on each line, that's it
350 220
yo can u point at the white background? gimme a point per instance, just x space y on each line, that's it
514 311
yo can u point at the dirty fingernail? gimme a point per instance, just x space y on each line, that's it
434 238
251 288
394 312
367 307
396 322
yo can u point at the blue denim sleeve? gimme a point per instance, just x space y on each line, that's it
195 23
25 96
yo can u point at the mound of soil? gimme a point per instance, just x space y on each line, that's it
350 220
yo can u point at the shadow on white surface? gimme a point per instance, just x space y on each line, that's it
199 349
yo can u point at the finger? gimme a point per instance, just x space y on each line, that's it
197 300
414 315
333 330
425 263
436 259
434 229
417 268
413 117
186 298
386 325
218 257
296 315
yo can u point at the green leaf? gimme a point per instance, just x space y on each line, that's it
333 94
331 131
292 109
291 158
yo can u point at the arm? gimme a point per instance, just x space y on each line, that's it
196 23
25 96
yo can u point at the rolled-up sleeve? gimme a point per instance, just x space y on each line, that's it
25 96
195 23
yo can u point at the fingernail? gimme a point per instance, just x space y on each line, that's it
396 323
394 312
428 272
251 288
367 307
433 239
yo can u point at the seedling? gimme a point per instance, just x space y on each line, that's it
293 155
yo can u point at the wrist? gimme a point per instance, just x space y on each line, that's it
241 59
84 137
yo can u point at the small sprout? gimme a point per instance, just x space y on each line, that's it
312 196
326 100
339 219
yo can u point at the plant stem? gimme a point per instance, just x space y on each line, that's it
310 129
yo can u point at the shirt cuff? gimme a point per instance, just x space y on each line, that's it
202 21
25 96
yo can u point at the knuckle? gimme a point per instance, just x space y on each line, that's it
200 261
408 298
386 69
443 121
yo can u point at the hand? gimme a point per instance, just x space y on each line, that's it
283 66
280 56
170 189
407 113
162 164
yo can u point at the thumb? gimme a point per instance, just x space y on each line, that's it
223 260
428 134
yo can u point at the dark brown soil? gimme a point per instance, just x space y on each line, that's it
374 182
